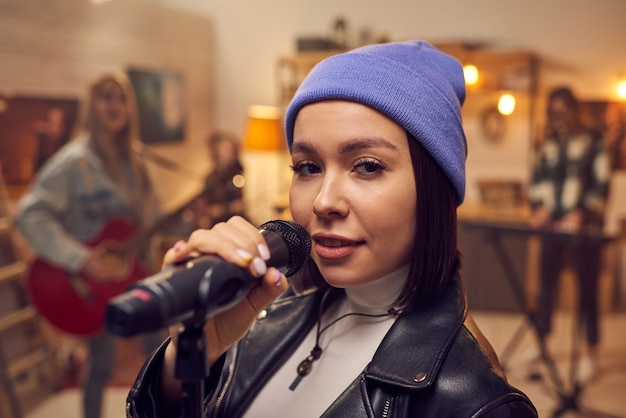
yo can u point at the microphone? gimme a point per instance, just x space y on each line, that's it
200 287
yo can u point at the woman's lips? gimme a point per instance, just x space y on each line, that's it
334 248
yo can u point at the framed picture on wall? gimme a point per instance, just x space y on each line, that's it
32 129
161 104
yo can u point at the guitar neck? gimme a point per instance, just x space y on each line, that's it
133 245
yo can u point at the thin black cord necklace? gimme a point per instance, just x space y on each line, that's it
306 365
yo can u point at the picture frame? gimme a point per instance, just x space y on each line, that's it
160 96
32 129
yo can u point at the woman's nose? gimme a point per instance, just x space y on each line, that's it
331 199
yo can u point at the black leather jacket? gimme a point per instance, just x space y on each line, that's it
433 362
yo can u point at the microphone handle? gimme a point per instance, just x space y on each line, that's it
191 291
200 287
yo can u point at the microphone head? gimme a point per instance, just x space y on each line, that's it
297 240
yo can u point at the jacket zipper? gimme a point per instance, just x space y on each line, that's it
231 372
386 408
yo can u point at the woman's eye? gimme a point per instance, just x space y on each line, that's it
305 168
369 166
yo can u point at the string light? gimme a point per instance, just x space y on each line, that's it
470 72
506 103
621 88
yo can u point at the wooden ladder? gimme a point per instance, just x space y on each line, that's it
28 368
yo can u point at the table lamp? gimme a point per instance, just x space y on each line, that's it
266 162
264 130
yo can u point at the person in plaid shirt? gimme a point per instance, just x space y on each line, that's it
568 191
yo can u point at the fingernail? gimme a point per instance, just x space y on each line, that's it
264 252
259 267
178 245
278 279
246 256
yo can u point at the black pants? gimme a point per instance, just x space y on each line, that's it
584 257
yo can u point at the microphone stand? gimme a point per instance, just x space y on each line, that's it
191 368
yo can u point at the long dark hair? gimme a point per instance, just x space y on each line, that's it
436 259
567 96
571 102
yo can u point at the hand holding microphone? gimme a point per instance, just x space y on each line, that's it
229 271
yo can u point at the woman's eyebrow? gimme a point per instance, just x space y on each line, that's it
346 147
303 147
363 143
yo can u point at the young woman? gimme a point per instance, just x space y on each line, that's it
88 183
222 197
568 192
376 322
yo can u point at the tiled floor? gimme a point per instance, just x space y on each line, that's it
604 395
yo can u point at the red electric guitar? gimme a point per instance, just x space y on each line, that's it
75 303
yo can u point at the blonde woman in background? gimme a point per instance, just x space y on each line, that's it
91 181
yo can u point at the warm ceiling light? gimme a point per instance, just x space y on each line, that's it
621 89
471 74
506 104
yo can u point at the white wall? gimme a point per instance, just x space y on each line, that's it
230 48
580 43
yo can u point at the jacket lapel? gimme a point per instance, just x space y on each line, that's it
410 356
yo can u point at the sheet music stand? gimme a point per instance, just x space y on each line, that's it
568 400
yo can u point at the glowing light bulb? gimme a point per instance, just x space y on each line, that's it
621 89
470 72
239 181
506 104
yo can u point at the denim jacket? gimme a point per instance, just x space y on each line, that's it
71 200
433 362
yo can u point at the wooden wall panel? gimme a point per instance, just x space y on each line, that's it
55 48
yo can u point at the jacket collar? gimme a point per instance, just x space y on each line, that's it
283 325
410 356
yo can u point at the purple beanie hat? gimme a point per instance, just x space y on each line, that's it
413 83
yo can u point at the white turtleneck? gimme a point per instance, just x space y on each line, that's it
348 346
